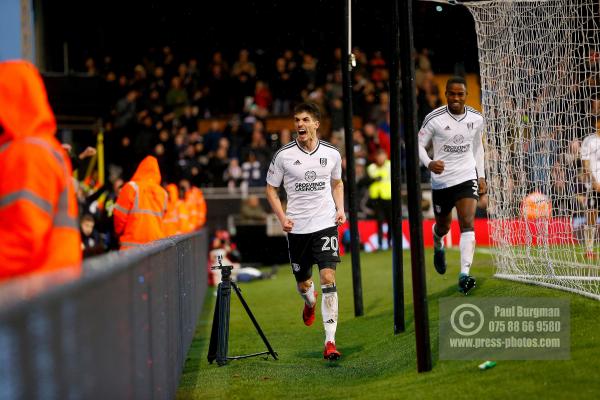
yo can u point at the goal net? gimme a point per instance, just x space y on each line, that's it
539 63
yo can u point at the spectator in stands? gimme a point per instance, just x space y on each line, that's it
75 160
216 168
177 97
309 71
189 118
380 110
375 139
258 146
125 111
377 65
217 60
101 205
252 174
140 81
38 208
242 91
144 138
361 152
157 82
212 136
251 210
243 65
233 174
217 91
189 165
281 88
141 206
285 136
236 136
262 98
91 242
428 98
336 111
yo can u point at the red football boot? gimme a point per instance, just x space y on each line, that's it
330 353
308 314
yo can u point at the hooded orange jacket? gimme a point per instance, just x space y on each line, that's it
177 219
194 199
141 206
38 207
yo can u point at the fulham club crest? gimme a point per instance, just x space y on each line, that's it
469 125
323 162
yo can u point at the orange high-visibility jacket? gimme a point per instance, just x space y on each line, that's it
194 199
38 208
141 206
171 220
176 219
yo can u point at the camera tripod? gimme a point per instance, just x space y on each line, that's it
219 337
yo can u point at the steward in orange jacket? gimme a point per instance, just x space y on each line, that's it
38 208
177 219
141 206
196 204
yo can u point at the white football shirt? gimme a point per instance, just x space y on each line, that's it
456 141
590 150
307 179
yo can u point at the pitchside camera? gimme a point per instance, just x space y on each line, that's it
225 269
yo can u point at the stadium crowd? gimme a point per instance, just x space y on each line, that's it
207 124
210 123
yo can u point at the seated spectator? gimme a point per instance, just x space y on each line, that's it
252 211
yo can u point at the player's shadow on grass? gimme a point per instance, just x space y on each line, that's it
452 290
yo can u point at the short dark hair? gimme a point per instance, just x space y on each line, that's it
88 217
309 108
456 79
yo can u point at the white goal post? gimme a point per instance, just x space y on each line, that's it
540 78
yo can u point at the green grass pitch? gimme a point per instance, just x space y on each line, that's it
376 364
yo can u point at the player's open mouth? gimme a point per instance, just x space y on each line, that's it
301 131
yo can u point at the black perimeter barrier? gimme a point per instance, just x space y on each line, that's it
121 331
